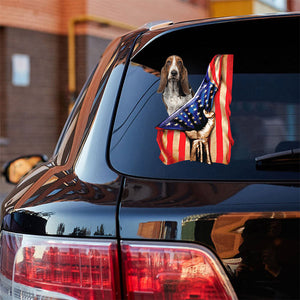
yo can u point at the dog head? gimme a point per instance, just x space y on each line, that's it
174 70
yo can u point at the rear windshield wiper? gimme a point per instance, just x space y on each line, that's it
287 160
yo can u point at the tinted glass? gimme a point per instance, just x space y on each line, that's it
264 108
74 113
102 71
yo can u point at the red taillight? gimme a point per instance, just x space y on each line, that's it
173 271
34 267
81 269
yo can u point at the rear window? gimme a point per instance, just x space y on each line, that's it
244 105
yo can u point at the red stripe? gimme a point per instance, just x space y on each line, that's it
167 157
229 76
213 69
169 149
182 140
219 132
218 115
216 67
159 136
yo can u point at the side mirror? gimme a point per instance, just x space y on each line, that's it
15 169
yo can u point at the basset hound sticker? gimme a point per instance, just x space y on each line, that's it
198 126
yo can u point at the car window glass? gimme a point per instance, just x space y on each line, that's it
91 165
105 65
74 113
263 112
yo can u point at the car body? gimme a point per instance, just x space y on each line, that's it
106 218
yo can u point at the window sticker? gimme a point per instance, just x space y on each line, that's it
198 126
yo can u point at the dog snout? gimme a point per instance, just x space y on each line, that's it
174 73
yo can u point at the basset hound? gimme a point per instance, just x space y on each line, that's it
174 84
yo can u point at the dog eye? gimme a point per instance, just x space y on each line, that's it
179 62
168 62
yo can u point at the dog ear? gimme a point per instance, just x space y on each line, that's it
163 80
185 81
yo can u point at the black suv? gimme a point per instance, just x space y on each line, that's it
143 199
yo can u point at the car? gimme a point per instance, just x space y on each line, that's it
139 203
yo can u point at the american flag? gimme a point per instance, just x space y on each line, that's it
214 94
190 116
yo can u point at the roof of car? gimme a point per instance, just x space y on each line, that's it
162 39
154 29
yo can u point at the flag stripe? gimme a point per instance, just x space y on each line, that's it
223 94
214 70
170 136
221 138
225 116
229 77
219 132
182 142
212 66
224 123
219 135
159 139
227 87
174 146
218 65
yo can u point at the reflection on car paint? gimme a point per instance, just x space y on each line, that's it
64 197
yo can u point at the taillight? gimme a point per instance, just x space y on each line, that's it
35 267
58 268
173 271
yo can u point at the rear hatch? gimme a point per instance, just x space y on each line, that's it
244 206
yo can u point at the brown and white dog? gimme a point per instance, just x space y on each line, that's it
174 84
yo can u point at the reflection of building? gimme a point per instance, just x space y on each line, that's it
225 231
255 241
34 59
158 230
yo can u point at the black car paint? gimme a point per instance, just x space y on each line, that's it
59 183
187 212
70 203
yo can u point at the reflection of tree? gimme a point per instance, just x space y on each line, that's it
83 231
100 230
60 229
270 258
158 229
67 186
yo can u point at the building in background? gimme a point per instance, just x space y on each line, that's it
34 73
34 92
223 8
